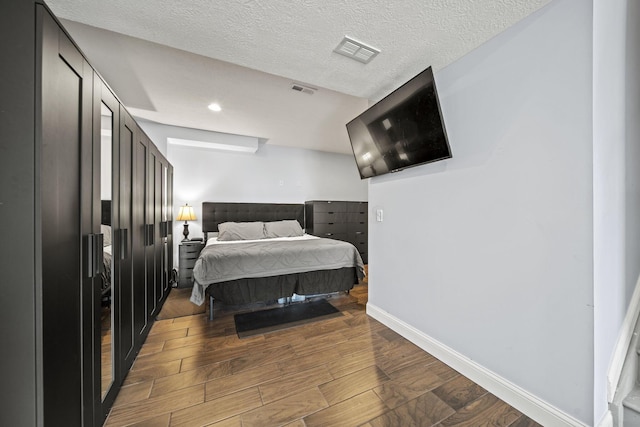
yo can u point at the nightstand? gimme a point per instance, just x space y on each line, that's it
188 254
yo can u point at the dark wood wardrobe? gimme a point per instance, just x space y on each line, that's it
78 179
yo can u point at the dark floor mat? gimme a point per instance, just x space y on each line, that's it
260 322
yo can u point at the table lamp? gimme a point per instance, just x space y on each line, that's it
186 214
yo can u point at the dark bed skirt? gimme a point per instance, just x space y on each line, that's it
245 291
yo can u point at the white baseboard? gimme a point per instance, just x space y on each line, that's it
607 420
622 344
530 405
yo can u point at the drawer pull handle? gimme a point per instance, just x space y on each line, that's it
123 243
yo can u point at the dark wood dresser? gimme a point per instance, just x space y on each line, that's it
340 220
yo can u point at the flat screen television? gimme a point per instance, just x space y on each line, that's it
402 130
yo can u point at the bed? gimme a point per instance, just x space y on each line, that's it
258 252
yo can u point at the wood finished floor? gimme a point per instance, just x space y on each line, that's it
345 371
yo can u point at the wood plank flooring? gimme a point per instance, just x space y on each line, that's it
345 371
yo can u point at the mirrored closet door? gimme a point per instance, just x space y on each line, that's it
107 306
106 299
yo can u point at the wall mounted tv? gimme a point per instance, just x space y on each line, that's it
402 130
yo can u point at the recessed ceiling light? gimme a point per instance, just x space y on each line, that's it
214 107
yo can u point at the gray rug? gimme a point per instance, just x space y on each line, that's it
275 319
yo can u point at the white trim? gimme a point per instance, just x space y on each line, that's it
622 345
607 420
535 408
246 145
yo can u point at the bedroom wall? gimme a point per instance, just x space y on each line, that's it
272 175
491 253
616 168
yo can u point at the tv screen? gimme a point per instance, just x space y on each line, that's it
403 129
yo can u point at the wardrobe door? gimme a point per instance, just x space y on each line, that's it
158 240
123 245
107 120
165 215
150 252
170 218
64 204
140 235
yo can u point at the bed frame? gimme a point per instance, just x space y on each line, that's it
268 288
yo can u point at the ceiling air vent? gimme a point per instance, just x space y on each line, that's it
356 50
302 88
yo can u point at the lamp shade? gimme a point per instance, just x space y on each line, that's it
186 213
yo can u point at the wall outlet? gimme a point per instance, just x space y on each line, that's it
379 215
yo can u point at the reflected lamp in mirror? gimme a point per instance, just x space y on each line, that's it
186 214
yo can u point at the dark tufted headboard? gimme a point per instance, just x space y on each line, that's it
214 213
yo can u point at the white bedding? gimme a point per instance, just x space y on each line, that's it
215 241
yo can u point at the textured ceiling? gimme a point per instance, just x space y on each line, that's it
293 40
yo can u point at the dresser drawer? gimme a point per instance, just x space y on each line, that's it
191 248
361 227
188 257
358 236
319 229
186 274
357 217
185 278
329 206
361 207
329 217
362 247
331 235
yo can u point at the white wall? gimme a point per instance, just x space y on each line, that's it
272 175
616 178
608 177
491 253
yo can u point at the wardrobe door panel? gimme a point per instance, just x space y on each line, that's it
150 244
107 110
164 213
65 111
138 206
124 263
170 217
158 240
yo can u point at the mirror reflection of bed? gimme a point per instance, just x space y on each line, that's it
258 252
106 292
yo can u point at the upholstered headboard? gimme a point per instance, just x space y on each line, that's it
214 213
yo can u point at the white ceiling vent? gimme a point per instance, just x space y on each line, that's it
304 89
356 50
